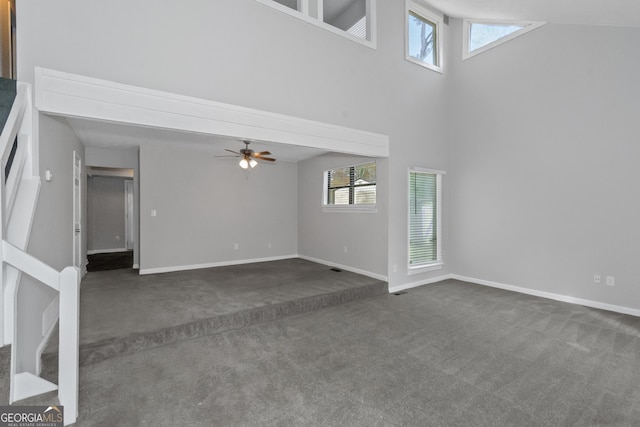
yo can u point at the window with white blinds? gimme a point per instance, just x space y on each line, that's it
424 218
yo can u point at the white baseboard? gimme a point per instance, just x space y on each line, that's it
549 295
399 288
210 265
106 251
345 267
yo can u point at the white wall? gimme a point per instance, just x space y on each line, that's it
205 206
245 53
52 233
105 213
323 235
544 162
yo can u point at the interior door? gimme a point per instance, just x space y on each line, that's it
77 210
128 219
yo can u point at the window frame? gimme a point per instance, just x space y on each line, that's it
466 34
350 207
437 19
304 13
439 261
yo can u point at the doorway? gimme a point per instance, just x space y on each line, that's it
110 218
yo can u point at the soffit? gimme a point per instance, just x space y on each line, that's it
589 12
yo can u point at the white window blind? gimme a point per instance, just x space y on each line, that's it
424 248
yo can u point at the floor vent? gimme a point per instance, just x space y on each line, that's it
337 270
400 293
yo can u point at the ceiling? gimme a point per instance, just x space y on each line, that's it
591 12
114 135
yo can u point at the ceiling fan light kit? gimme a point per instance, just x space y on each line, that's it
249 157
246 163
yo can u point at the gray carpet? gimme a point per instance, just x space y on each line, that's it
123 313
446 354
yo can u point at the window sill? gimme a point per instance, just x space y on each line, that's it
425 268
350 208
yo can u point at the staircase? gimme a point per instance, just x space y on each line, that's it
19 190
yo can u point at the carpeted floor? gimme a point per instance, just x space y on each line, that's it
446 354
122 312
110 261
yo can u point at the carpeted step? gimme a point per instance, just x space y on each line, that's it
5 370
133 343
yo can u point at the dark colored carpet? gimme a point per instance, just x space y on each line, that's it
110 261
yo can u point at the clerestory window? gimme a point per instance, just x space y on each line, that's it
480 36
352 19
424 42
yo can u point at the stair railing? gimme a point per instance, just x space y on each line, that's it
18 175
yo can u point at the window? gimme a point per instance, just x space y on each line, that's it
351 186
480 36
353 19
425 243
424 36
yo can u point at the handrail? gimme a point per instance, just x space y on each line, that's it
30 265
67 283
14 260
7 137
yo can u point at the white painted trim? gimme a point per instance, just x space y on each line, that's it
398 288
305 16
49 320
425 268
345 267
433 17
171 269
72 95
136 266
466 31
549 295
107 251
350 208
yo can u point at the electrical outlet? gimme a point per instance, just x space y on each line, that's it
345 249
611 281
597 278
236 246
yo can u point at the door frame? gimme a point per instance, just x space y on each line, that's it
129 202
77 210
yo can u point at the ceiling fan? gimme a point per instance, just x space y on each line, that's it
249 156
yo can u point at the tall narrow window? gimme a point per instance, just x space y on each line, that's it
425 247
424 36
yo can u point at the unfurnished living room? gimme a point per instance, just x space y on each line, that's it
320 212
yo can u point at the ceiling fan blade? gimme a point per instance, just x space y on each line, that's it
268 159
262 153
234 152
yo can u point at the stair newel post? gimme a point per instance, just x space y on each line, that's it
69 357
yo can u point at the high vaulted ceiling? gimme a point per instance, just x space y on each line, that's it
590 12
